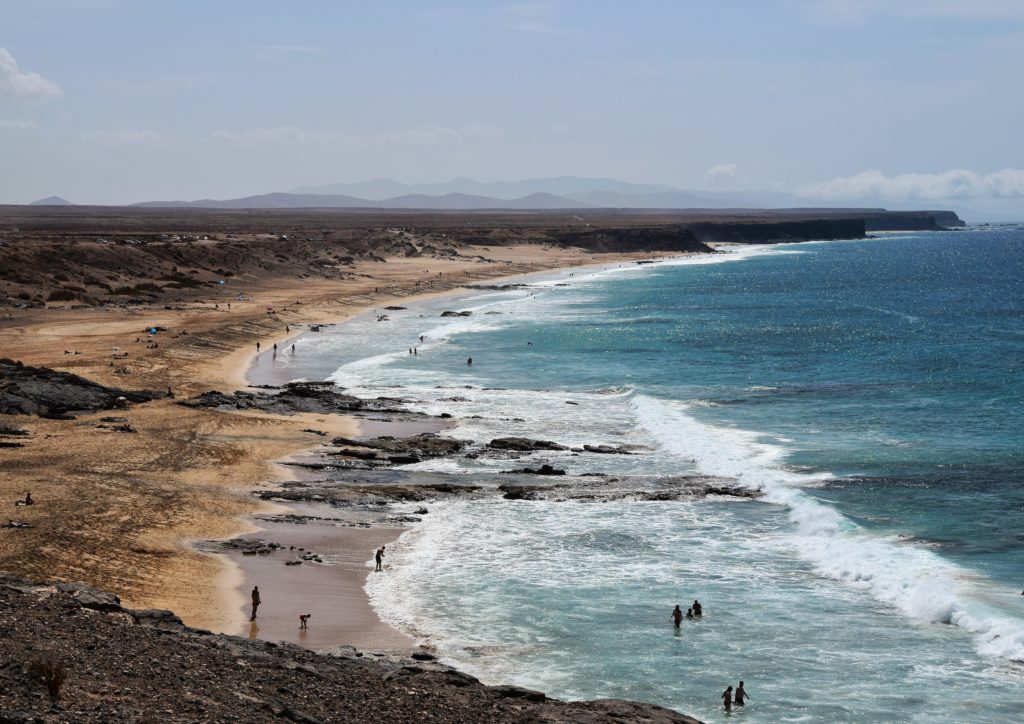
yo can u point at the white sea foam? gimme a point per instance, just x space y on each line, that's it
914 580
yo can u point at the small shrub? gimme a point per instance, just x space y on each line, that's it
52 672
62 295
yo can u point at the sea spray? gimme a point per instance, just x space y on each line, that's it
916 581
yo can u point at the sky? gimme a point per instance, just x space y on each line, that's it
121 101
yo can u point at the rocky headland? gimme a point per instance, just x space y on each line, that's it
71 653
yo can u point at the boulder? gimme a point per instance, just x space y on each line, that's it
523 444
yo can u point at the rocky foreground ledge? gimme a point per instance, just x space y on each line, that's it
70 653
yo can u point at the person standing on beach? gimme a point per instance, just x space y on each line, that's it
380 559
740 696
255 602
727 698
677 616
257 346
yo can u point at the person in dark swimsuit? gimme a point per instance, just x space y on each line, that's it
698 610
677 616
740 696
727 699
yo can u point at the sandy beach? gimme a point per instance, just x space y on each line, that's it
128 512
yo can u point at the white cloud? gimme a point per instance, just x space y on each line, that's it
723 172
16 124
129 137
955 184
16 82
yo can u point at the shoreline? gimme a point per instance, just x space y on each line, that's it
360 625
125 512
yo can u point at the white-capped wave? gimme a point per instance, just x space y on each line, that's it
914 580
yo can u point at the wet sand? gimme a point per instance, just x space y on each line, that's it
332 591
125 512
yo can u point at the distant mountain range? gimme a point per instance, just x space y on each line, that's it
559 192
52 201
383 188
563 192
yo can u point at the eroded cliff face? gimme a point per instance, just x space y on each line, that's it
629 239
774 232
912 221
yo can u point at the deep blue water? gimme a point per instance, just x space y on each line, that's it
870 389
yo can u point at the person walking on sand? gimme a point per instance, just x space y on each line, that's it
677 616
380 559
257 346
727 698
255 602
739 697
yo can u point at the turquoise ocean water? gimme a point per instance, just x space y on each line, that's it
870 389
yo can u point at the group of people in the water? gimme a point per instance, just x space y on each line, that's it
738 696
730 696
694 611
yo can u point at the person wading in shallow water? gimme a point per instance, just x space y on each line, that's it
380 559
739 699
255 602
677 616
727 699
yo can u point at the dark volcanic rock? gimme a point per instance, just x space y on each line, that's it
523 492
124 665
542 470
296 397
425 445
607 450
449 313
523 444
48 393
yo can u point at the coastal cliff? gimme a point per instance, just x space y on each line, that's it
771 232
70 653
632 239
912 221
